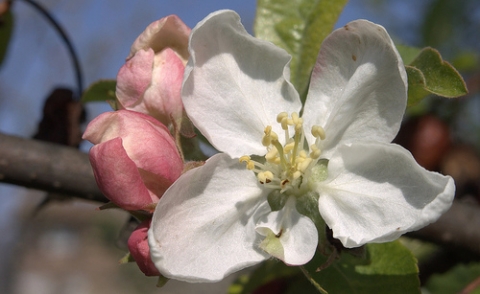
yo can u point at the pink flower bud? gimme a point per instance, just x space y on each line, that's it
134 159
151 79
140 251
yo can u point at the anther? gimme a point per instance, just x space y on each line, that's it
297 174
269 136
318 132
302 154
266 141
281 116
289 147
274 136
265 177
298 126
244 158
295 118
249 163
271 154
304 164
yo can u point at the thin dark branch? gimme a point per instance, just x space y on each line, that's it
46 166
66 40
458 227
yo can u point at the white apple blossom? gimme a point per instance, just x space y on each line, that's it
223 216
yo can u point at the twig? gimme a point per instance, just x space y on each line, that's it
471 287
46 166
314 283
66 40
459 227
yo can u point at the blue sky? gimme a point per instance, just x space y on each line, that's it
102 32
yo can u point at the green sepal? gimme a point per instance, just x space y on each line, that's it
191 165
126 259
142 215
299 27
162 281
100 91
108 205
189 147
277 200
307 204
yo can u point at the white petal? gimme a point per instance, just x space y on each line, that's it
377 192
235 85
358 88
203 229
289 235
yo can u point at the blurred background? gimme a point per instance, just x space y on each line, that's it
69 246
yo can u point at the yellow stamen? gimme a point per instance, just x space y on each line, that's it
315 151
289 147
265 177
318 132
281 116
244 158
304 164
271 155
286 164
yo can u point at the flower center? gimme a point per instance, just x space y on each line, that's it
287 166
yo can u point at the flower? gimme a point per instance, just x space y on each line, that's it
222 217
138 247
151 79
134 159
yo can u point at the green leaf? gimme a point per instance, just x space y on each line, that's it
299 27
6 26
455 280
416 85
102 90
441 77
389 268
429 74
268 271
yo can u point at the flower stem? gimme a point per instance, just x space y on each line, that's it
314 283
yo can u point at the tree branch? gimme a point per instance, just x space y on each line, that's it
65 170
459 227
49 167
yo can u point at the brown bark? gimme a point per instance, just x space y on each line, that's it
46 166
459 227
